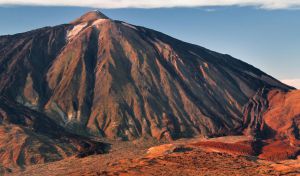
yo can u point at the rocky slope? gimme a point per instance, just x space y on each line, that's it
96 76
29 137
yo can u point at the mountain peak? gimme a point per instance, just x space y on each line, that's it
90 16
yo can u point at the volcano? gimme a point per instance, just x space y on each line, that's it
99 77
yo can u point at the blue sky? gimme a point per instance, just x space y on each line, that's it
268 38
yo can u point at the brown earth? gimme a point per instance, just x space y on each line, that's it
178 158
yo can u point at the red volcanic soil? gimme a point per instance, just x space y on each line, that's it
174 160
268 150
281 121
238 148
279 150
191 157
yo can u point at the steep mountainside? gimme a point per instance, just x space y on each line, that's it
97 76
29 137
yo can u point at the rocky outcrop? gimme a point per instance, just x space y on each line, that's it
253 113
283 114
272 116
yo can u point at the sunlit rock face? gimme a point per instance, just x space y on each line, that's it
283 116
97 76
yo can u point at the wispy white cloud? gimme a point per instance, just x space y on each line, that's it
292 82
266 4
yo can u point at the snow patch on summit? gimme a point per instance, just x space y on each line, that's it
76 30
99 21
